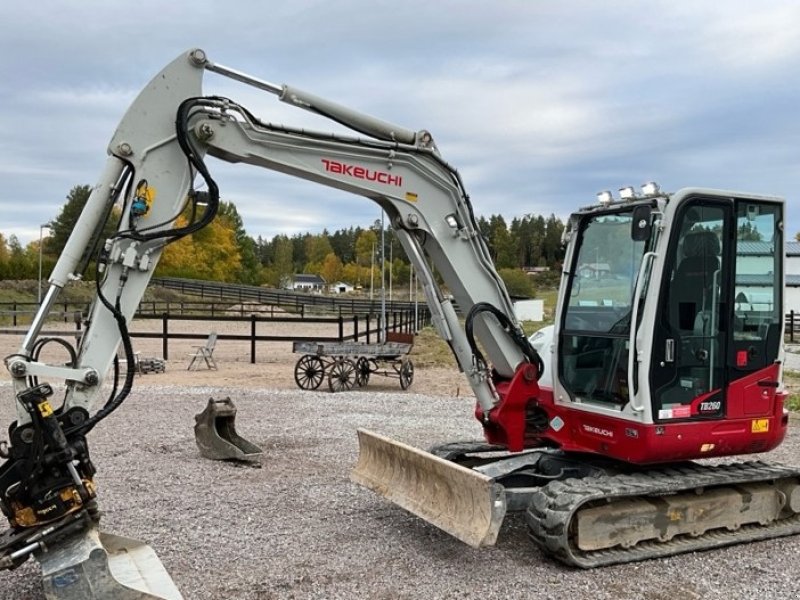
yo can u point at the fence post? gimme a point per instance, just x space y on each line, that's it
14 314
791 326
368 319
341 329
165 335
252 339
355 328
66 319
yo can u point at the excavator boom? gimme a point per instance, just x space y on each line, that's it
665 348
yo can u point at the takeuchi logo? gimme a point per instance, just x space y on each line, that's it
334 166
598 430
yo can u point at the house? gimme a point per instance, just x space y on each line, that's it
304 282
594 270
792 290
340 287
755 263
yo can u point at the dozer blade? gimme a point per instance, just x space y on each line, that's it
97 566
468 505
216 437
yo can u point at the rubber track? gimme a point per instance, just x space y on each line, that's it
553 507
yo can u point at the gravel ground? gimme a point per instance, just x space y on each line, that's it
297 528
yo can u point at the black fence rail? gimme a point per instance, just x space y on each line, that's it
21 313
291 301
792 325
363 327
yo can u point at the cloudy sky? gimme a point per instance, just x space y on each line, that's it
539 104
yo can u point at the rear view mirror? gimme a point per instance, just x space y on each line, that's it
641 223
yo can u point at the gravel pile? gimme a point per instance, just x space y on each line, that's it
297 528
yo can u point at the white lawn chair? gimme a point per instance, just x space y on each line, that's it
204 353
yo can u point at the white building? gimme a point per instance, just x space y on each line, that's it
756 260
340 287
303 282
792 295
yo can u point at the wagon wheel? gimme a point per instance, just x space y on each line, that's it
406 374
342 375
363 371
308 372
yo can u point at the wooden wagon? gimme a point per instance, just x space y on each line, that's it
351 364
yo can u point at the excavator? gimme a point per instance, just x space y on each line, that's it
666 349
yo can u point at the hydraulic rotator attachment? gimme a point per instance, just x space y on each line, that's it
216 437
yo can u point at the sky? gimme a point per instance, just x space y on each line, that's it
538 104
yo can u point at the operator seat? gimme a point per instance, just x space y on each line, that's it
691 287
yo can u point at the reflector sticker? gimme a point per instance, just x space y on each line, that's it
759 426
556 423
706 447
741 358
677 412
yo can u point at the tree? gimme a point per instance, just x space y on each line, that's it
5 258
20 265
317 247
62 226
283 264
748 233
211 253
332 267
366 243
250 270
517 283
500 243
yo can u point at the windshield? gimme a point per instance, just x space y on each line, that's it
596 326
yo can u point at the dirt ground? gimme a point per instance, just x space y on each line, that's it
274 366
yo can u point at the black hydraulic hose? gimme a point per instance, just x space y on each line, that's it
514 333
115 401
196 162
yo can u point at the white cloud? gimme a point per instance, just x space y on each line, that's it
539 105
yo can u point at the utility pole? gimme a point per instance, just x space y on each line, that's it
41 230
383 281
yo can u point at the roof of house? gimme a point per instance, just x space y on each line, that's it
756 248
308 278
766 248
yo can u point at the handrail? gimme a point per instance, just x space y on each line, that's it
637 294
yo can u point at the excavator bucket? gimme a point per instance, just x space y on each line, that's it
468 505
216 437
97 566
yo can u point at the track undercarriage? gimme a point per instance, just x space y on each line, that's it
583 510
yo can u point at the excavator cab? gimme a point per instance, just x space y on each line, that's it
656 339
666 348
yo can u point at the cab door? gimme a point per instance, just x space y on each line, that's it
707 338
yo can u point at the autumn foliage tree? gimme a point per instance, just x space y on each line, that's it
210 253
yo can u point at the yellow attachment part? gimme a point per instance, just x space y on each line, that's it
466 504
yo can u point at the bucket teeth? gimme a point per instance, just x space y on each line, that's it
216 437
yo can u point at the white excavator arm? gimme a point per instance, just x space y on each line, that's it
156 154
156 165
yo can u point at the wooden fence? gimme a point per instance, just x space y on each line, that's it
364 327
